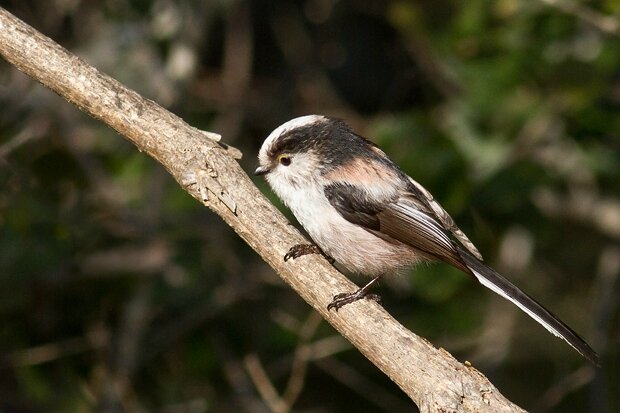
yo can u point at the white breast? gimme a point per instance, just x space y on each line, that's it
351 245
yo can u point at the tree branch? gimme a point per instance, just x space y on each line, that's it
208 171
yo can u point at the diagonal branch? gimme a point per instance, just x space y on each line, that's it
208 171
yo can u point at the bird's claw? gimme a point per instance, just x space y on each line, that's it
300 250
342 299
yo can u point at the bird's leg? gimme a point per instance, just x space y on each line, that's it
299 250
340 300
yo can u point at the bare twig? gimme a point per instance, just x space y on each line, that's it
607 24
53 351
237 68
553 396
358 383
36 129
209 173
117 385
264 386
302 356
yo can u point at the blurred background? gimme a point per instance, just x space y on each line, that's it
119 292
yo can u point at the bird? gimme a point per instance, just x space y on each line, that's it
362 211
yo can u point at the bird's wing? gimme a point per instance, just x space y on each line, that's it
408 219
442 215
395 218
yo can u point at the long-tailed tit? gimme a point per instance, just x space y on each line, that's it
368 215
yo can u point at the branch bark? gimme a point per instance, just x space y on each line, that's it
207 170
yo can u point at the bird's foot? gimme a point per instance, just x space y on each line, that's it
300 250
340 300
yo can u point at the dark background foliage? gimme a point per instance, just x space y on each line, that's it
118 292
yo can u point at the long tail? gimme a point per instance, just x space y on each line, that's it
498 284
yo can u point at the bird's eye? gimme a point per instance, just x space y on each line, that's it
284 160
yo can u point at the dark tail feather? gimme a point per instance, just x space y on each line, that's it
498 284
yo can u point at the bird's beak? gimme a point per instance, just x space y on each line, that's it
261 170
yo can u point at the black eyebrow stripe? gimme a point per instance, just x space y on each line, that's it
291 142
332 138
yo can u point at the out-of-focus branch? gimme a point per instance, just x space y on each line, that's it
607 24
208 172
265 387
